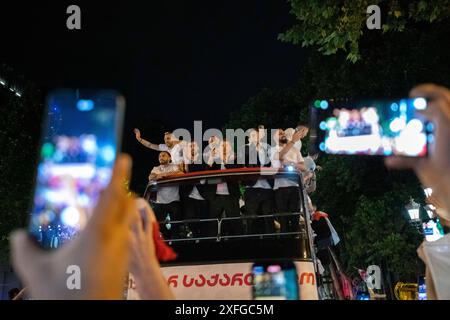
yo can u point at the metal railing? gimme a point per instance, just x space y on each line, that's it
219 222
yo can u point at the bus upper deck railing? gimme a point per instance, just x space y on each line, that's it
219 223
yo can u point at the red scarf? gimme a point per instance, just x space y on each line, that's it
319 214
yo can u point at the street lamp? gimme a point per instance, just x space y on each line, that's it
413 210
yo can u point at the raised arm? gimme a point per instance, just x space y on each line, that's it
297 136
144 142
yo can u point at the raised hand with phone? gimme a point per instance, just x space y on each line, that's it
80 243
100 252
433 171
394 127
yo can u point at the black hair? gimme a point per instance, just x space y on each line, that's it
167 153
300 124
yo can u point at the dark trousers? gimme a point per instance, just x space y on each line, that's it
226 206
197 209
288 200
172 209
259 201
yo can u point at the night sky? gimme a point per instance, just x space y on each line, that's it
175 62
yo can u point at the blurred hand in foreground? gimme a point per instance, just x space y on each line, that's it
434 170
100 252
144 263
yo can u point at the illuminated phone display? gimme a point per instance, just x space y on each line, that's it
79 144
422 289
432 230
383 128
275 281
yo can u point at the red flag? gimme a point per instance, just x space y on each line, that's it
163 251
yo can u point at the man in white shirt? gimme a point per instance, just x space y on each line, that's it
258 194
289 132
287 193
224 197
171 144
193 199
167 202
212 148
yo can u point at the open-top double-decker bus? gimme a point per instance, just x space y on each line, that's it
216 264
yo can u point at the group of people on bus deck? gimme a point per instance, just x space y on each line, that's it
261 197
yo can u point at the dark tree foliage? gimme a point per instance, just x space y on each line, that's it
338 25
20 122
364 199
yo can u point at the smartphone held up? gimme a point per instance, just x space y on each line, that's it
275 281
374 128
79 142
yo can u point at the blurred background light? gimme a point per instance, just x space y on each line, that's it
420 103
85 105
108 153
70 216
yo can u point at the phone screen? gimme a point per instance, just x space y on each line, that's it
79 143
432 230
422 289
383 128
275 281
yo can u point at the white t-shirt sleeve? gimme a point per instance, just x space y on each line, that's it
274 155
177 154
163 147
